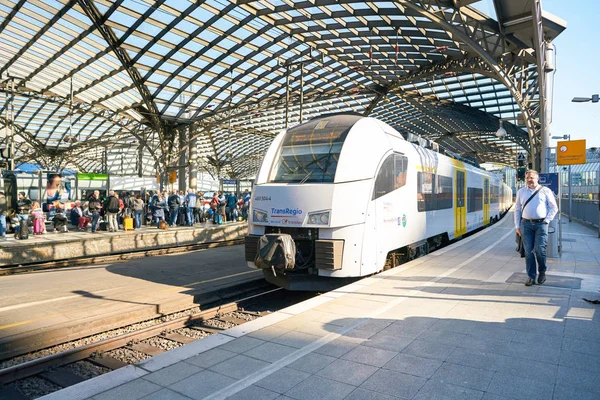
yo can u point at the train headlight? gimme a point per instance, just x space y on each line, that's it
318 218
259 216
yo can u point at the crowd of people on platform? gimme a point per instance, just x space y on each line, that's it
117 210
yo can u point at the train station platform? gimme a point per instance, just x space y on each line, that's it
456 324
78 244
49 307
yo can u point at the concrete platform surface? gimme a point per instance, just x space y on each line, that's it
67 301
75 243
445 326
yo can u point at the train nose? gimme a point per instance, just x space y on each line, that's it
276 251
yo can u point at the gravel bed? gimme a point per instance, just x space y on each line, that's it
240 315
94 339
128 356
162 343
193 333
86 369
35 387
219 324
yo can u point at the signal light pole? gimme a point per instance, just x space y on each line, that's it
567 137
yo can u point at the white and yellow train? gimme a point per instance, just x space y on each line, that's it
345 196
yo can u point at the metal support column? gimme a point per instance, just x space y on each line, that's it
301 91
193 167
570 195
182 158
11 121
140 160
287 95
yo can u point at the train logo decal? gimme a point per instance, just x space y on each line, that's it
285 212
403 220
286 221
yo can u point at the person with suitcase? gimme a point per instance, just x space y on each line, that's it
39 221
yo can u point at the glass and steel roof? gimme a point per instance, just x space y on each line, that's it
103 85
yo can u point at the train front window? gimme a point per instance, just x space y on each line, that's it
310 152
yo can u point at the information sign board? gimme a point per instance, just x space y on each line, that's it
570 152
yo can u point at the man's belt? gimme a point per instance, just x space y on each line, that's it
533 220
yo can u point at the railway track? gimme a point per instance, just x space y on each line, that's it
129 255
30 378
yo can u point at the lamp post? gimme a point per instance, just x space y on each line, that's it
593 99
567 137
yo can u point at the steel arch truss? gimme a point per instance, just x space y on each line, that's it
95 77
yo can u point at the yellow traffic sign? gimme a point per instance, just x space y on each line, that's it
570 152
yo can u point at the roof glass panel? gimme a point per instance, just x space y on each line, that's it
355 58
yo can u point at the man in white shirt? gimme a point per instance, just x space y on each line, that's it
532 222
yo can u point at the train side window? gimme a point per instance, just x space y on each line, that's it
384 183
443 193
425 191
474 199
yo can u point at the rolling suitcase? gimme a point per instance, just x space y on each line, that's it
181 217
103 226
128 223
38 225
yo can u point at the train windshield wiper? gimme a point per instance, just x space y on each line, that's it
307 176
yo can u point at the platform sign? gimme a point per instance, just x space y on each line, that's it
570 152
230 181
92 177
550 180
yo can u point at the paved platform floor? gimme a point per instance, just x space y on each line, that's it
75 234
79 244
65 301
445 326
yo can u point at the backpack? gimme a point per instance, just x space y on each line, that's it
23 230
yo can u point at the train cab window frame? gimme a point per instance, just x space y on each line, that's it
310 152
391 175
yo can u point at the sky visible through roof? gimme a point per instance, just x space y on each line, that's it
577 61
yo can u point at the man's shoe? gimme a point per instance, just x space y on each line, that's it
541 278
530 282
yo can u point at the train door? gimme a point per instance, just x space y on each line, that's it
486 201
460 203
